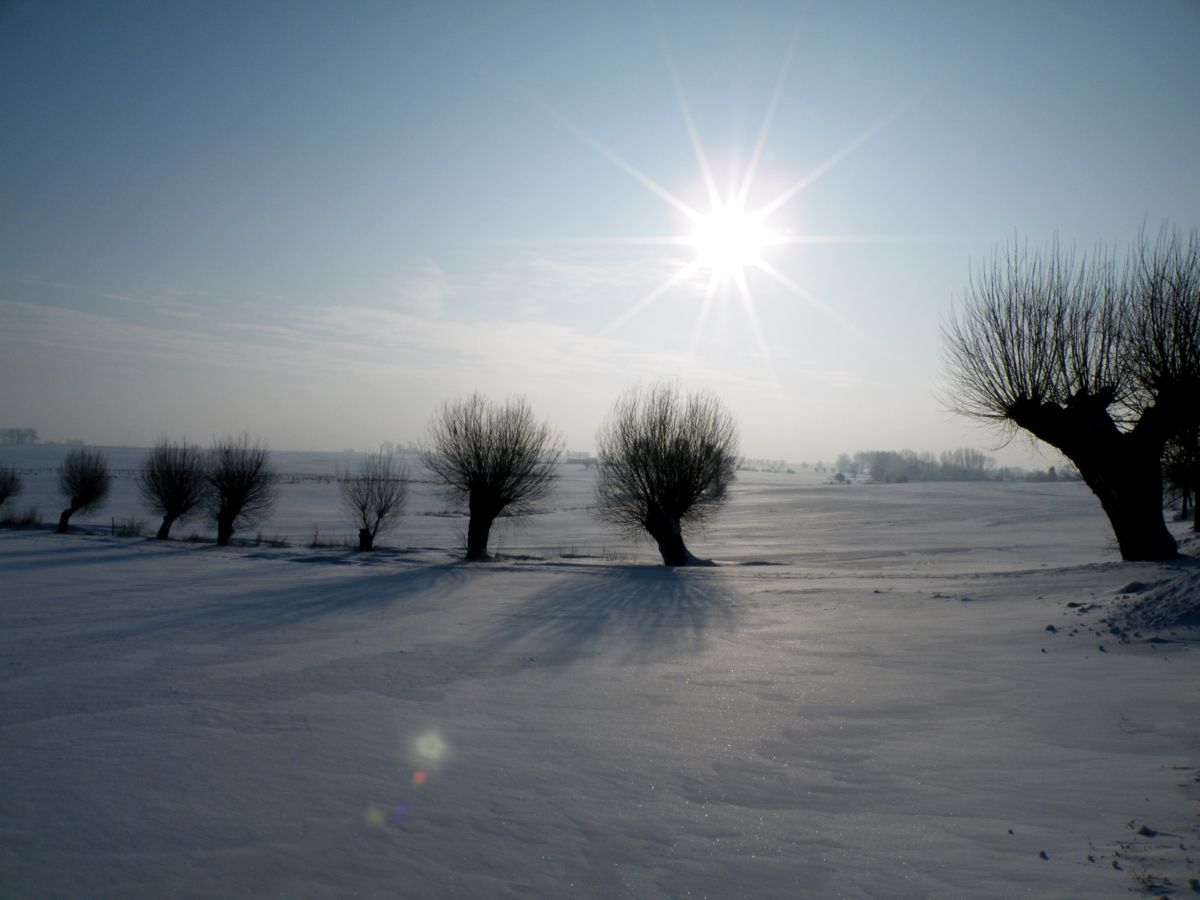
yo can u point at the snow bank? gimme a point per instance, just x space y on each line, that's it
1168 604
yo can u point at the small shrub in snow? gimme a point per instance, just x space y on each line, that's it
10 483
330 542
128 527
26 518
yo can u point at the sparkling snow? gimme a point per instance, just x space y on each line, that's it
881 691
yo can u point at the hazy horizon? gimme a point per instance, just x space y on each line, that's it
316 224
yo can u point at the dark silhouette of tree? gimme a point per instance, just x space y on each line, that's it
84 480
242 483
374 496
1181 471
173 482
496 457
1096 358
10 483
664 461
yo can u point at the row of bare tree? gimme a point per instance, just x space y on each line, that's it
1097 356
233 481
664 459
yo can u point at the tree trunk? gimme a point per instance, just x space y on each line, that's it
478 529
366 540
1130 490
669 537
65 517
164 530
224 529
1195 492
1123 469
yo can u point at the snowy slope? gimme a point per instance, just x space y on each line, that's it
862 700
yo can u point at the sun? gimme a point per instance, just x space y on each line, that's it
731 239
728 240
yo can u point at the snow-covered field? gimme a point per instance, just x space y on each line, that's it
882 691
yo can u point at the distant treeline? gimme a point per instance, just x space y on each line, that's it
18 435
759 464
963 464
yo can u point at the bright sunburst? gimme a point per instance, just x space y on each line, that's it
728 240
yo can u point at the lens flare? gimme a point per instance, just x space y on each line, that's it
375 815
430 747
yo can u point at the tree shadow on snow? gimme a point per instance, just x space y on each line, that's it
62 553
296 604
633 612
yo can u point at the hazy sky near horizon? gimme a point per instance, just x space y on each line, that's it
317 221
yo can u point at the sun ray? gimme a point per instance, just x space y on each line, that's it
619 161
706 174
855 239
702 316
830 163
728 238
755 326
808 297
764 130
684 272
686 110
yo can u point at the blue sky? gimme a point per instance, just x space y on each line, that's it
318 221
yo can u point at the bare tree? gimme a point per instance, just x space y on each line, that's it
173 482
496 457
665 460
10 483
1096 358
242 481
82 478
374 496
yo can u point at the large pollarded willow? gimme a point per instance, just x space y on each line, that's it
173 482
84 479
243 484
665 460
1097 357
496 456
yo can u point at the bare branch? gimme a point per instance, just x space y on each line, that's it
1163 330
374 496
1036 328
